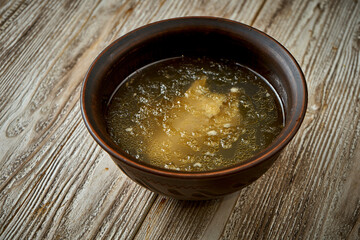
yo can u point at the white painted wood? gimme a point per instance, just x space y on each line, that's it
56 183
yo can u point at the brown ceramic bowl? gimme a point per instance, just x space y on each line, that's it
201 36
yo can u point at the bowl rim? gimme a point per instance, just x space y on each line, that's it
251 162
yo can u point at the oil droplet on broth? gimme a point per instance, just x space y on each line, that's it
194 114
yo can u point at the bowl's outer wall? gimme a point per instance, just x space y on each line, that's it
193 36
196 189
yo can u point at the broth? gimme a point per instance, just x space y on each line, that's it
194 114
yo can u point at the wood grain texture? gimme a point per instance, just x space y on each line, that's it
56 183
313 176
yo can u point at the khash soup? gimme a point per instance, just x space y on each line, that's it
194 114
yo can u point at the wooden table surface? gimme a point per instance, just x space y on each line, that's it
57 183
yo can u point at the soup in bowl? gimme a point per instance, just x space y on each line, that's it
194 108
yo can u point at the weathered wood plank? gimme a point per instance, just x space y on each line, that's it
55 182
304 196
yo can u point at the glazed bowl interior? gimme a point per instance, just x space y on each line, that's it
209 37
